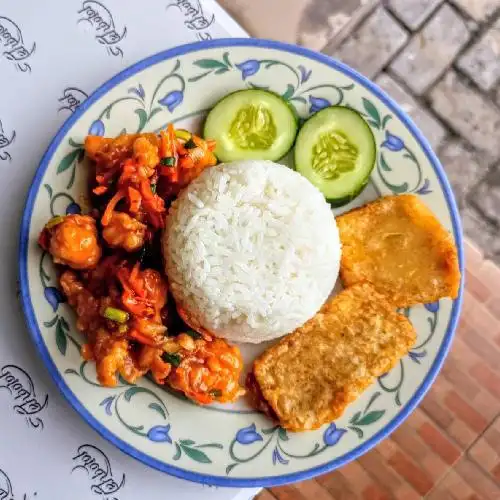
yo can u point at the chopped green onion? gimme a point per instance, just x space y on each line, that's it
172 358
194 335
183 134
55 221
216 393
190 144
116 315
153 188
168 161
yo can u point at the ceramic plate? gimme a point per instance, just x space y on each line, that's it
230 446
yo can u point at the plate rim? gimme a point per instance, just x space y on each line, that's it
72 398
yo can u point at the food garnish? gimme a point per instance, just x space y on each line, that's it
146 170
252 124
193 334
173 359
116 315
335 149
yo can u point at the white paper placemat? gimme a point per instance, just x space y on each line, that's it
52 55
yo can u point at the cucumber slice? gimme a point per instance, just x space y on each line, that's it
335 150
251 125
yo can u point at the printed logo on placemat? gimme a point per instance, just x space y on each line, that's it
72 98
194 17
12 46
6 492
5 487
6 139
25 401
94 461
103 26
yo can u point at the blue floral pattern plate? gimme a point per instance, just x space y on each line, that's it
230 446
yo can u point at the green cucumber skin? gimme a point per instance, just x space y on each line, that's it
336 202
291 108
339 202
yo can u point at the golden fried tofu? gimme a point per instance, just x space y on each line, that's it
310 376
397 244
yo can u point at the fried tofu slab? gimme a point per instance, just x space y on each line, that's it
397 244
310 376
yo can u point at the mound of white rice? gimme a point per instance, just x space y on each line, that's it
251 249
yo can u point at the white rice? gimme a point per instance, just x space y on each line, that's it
252 250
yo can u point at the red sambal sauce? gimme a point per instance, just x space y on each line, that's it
122 306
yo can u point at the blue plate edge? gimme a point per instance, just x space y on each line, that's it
54 372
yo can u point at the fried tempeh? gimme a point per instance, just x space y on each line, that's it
397 244
310 376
